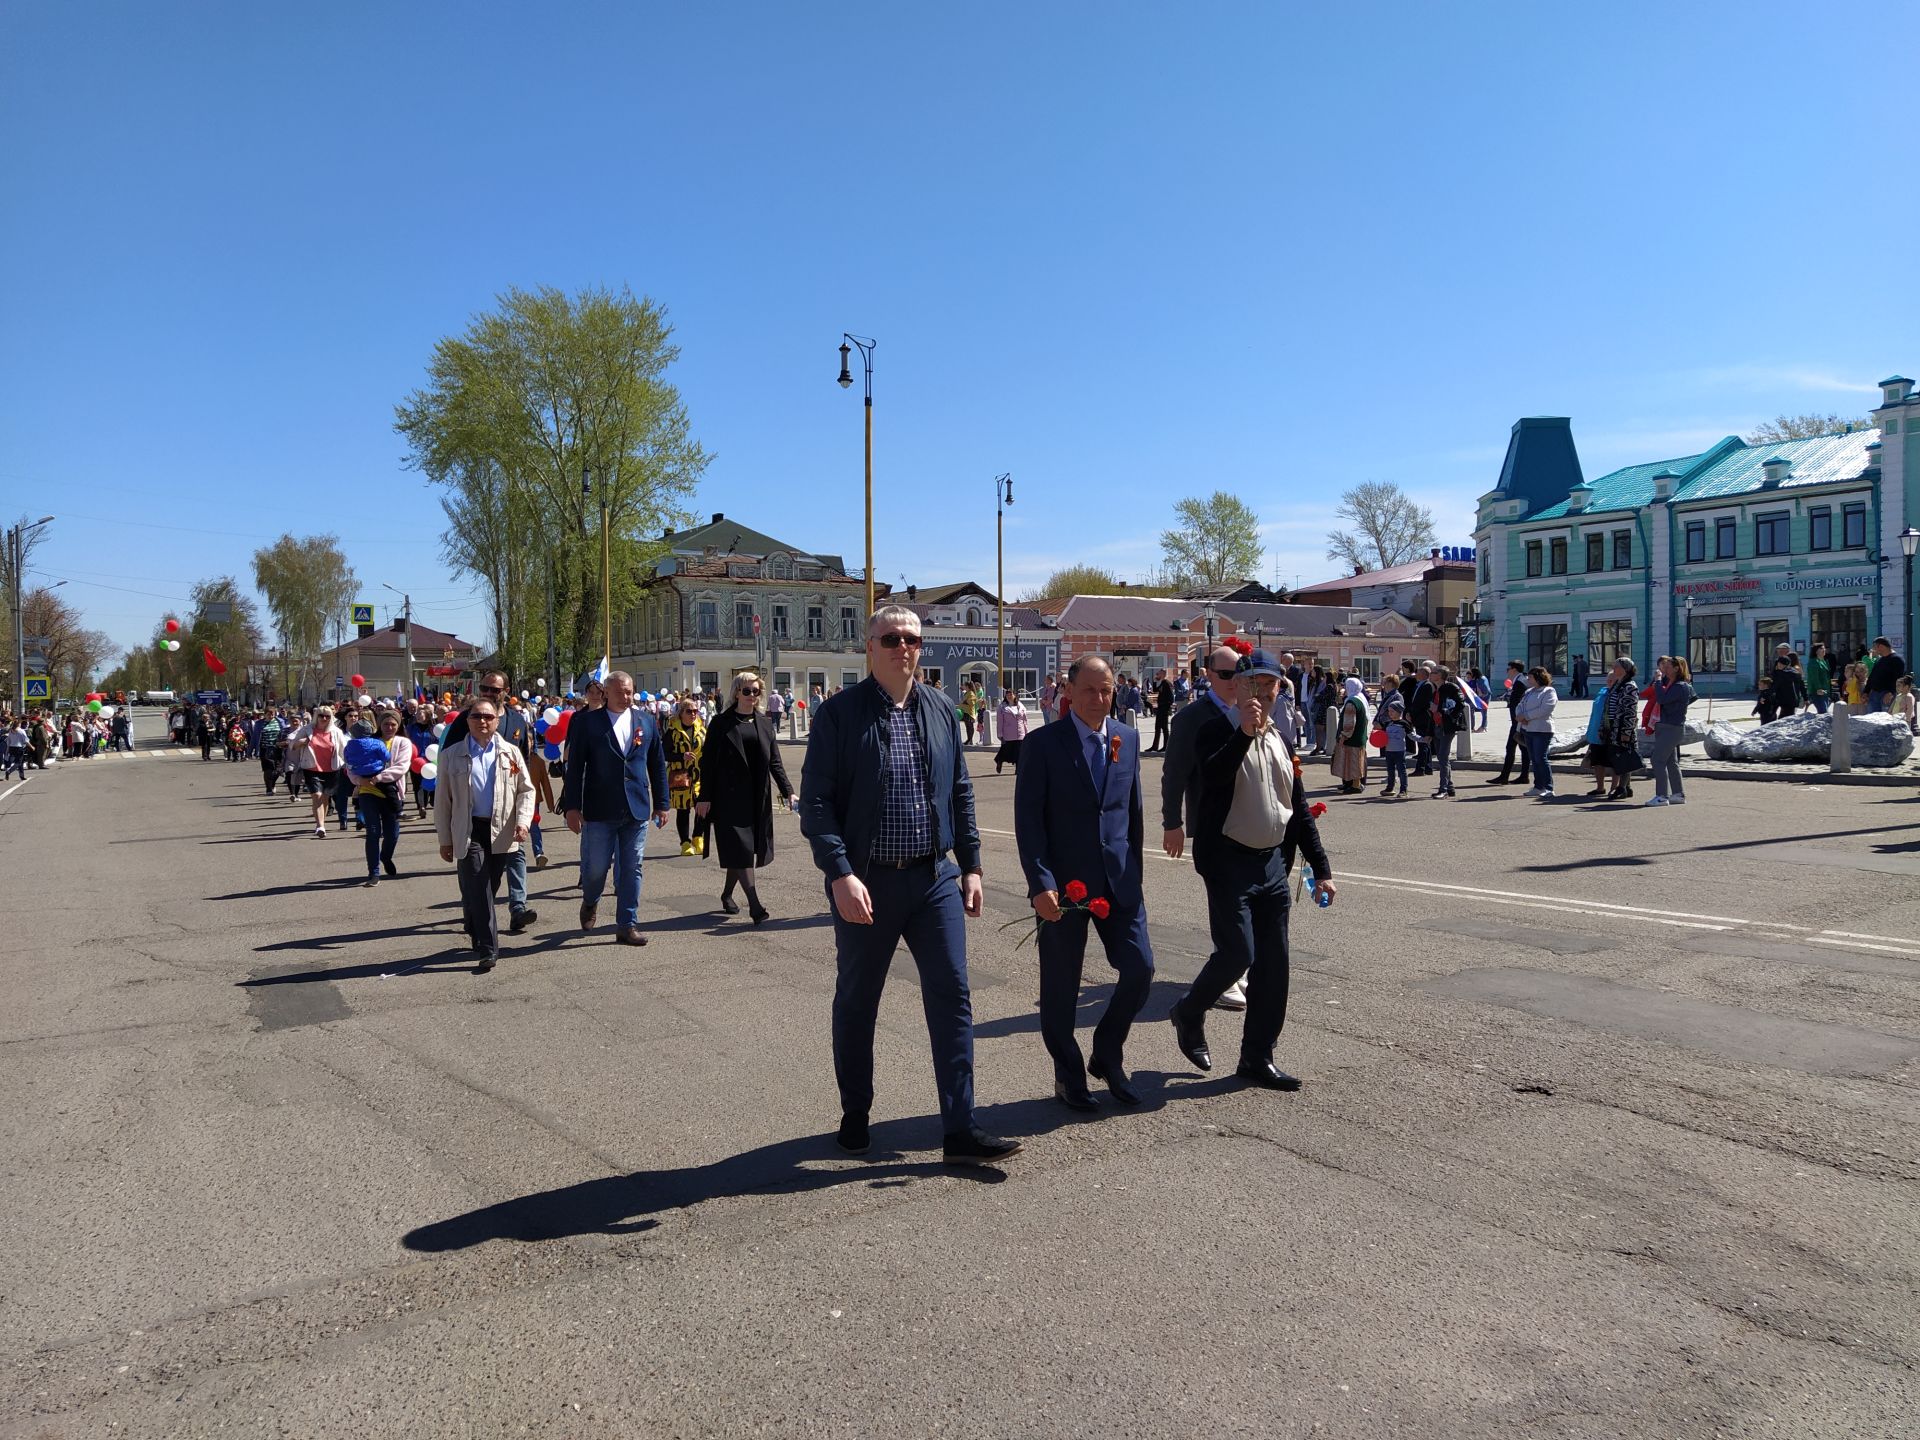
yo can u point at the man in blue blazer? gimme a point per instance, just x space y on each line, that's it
616 778
1079 816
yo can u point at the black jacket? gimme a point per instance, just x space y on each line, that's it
1221 747
1885 674
741 756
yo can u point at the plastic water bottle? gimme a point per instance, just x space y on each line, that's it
1320 897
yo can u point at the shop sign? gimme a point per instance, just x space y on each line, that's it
1748 589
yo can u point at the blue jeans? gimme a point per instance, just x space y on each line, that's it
1443 753
1396 763
1820 703
1537 752
607 844
381 816
919 906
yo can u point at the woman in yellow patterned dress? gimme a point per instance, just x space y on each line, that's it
684 739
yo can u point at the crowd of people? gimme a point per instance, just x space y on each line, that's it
38 737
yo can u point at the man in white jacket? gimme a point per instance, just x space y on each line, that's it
482 813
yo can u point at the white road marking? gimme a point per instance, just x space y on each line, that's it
1600 909
9 791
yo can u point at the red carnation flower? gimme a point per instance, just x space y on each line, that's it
1317 809
1099 908
1076 892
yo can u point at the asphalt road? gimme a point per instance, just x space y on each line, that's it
1608 1129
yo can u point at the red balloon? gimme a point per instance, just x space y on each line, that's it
557 731
173 627
357 681
419 762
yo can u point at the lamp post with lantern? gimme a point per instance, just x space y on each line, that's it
848 343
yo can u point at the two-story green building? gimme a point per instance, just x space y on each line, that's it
1720 556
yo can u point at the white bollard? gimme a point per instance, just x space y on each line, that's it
1330 728
1840 753
1463 747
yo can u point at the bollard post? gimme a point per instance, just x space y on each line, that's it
1330 728
1463 747
1840 751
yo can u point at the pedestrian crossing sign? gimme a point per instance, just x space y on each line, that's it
39 687
363 615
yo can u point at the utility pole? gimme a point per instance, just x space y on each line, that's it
406 609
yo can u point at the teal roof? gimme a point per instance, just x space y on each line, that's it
1815 462
1729 468
1626 489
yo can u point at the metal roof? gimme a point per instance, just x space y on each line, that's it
1412 571
1138 614
1814 462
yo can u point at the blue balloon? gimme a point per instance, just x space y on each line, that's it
552 752
540 727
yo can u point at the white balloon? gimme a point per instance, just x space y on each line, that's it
106 712
550 714
540 685
432 753
526 694
429 772
440 731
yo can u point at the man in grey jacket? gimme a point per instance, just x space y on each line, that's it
1180 772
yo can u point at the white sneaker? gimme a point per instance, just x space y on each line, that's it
1235 997
1657 800
1533 794
1676 800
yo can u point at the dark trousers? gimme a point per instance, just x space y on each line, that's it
1162 724
1063 948
1247 908
270 769
381 816
480 873
917 906
342 789
1423 752
1516 744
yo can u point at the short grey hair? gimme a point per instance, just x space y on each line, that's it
619 675
892 615
1073 670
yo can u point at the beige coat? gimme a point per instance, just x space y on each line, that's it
453 799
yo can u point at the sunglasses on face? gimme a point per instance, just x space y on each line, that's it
1225 674
749 689
492 689
898 638
483 719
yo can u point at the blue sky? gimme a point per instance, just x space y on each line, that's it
1129 252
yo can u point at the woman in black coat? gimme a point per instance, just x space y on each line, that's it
741 755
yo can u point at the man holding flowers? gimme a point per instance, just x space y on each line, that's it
1079 819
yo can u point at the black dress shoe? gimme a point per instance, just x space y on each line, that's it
1074 1099
522 918
1263 1074
589 914
729 905
759 912
853 1137
1191 1036
976 1147
1117 1080
487 962
391 868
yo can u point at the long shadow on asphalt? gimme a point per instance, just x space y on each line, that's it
1093 1004
341 942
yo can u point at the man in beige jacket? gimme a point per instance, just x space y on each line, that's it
484 804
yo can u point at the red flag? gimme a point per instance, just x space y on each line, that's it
214 663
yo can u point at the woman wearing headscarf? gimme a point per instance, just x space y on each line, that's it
740 757
1620 728
1350 739
685 735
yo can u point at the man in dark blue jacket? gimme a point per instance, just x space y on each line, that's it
884 798
1080 819
616 779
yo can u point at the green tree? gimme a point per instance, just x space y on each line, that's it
536 393
308 585
1388 528
1805 427
225 620
1213 541
1075 580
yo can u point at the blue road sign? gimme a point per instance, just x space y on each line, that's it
39 687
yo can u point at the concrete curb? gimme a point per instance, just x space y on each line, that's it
1697 772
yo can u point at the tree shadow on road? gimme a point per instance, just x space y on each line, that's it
626 1204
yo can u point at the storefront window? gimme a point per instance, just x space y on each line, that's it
1608 641
1842 629
1712 648
1547 648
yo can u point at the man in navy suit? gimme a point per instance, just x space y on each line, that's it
616 779
1078 815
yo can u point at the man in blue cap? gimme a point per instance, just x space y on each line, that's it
1252 817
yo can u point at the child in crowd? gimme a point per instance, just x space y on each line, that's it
1905 704
1394 752
1764 706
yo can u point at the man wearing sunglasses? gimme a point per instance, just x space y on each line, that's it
1180 772
495 687
884 798
484 808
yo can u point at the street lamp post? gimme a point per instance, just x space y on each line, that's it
1909 543
17 562
848 343
1003 492
406 609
